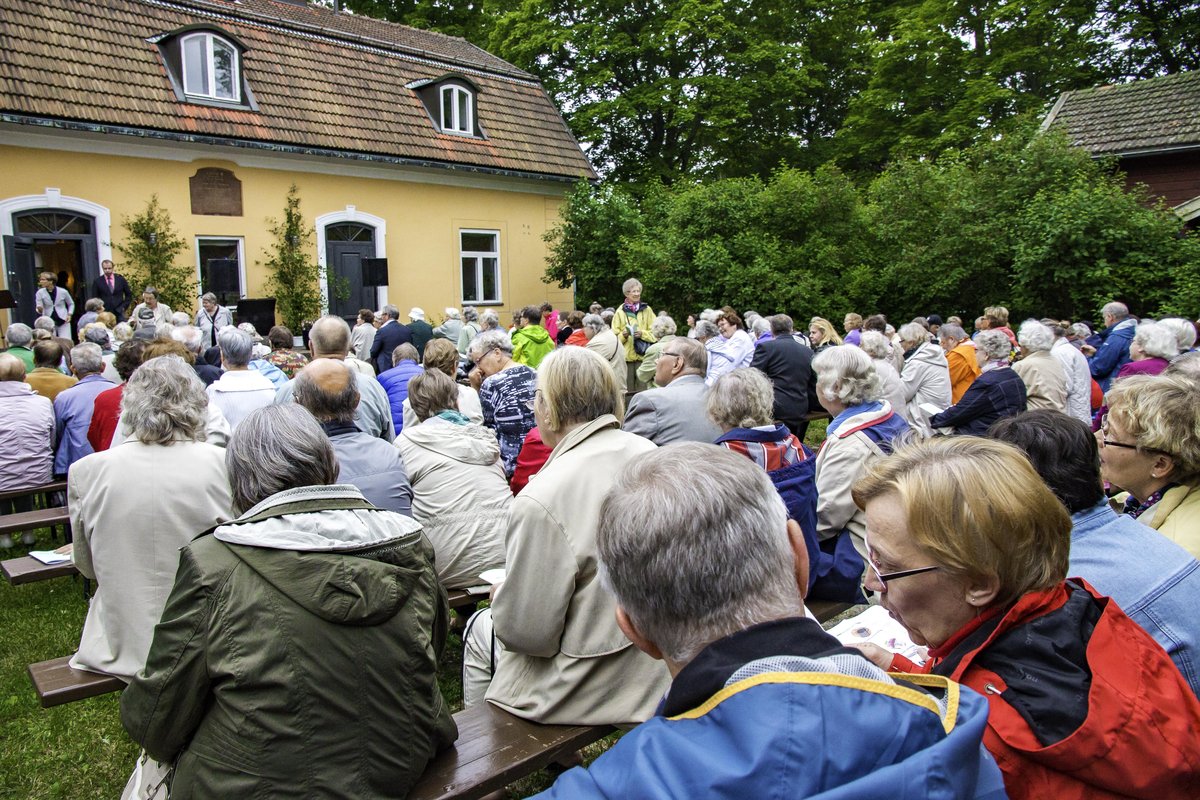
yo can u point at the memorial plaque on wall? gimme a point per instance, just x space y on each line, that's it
216 191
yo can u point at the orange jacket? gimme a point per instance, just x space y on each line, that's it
964 369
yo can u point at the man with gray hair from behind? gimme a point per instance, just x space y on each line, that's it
330 339
330 392
240 390
73 407
762 701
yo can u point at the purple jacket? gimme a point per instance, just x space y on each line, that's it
1147 366
27 430
73 414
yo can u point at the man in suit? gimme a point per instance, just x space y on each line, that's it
391 334
112 289
676 412
789 366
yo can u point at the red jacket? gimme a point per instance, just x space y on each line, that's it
1132 734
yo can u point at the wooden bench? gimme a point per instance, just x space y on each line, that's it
55 486
38 518
28 569
56 682
494 749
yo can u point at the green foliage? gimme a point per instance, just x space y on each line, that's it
460 18
294 274
148 257
596 222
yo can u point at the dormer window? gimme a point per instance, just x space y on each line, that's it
458 110
450 101
210 68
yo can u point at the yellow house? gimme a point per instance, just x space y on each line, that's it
405 145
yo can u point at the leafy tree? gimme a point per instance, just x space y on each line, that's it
595 222
294 273
463 18
1154 37
148 257
695 88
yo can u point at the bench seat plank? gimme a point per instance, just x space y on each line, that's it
28 569
494 749
56 682
56 486
32 520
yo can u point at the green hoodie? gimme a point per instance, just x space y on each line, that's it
531 344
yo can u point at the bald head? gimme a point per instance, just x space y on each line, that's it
328 389
11 368
329 338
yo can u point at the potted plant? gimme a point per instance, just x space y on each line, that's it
295 279
148 258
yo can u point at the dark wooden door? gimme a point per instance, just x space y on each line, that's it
346 245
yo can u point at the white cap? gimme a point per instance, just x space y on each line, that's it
416 313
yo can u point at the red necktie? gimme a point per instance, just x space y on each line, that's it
110 283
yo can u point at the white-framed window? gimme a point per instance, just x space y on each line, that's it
479 251
458 110
221 268
211 67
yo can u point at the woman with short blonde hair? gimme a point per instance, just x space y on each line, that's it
968 549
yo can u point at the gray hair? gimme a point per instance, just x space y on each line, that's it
743 398
1186 365
694 355
781 324
94 304
469 314
164 331
594 321
150 290
1081 330
190 337
45 324
11 368
914 332
1034 336
208 297
329 335
662 326
845 373
875 344
275 448
1185 332
1116 310
180 318
760 325
489 340
96 333
404 352
249 329
164 402
710 315
325 405
452 313
87 358
628 285
391 311
488 320
1156 340
993 344
236 347
661 530
705 330
122 332
952 331
19 335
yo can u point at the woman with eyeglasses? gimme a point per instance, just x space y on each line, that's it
968 549
506 393
1150 447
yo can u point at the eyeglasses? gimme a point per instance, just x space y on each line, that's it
884 577
531 403
1106 442
664 354
484 355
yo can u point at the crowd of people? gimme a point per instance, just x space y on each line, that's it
273 534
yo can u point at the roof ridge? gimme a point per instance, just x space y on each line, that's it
238 10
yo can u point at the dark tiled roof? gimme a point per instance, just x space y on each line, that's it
321 80
1144 116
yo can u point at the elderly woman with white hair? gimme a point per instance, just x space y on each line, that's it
925 376
451 326
1185 332
876 345
864 427
505 394
632 324
309 609
1043 374
560 656
998 391
470 328
741 405
663 330
211 318
604 343
133 506
1151 350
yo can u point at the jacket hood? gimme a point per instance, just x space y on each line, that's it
305 554
471 444
930 353
534 333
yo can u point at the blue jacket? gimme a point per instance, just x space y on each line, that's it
395 383
995 394
1154 581
1113 352
782 710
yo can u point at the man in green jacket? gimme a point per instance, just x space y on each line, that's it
531 342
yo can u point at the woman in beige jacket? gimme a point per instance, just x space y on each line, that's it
561 657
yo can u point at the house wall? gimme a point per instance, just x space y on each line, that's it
1174 177
423 212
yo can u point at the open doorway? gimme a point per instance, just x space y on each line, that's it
59 242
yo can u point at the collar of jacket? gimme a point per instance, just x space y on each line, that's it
855 418
581 434
334 428
15 389
708 672
779 433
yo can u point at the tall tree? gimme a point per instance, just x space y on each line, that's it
465 18
1156 37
